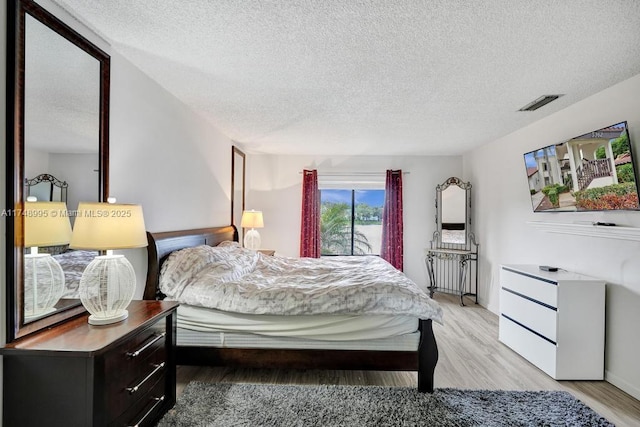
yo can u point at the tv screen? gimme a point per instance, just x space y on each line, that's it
591 172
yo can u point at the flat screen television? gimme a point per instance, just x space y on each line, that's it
591 172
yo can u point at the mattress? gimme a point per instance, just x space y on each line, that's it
197 326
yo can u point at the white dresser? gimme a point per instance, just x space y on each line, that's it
554 319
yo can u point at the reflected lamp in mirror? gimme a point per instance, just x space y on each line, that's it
109 282
252 219
45 224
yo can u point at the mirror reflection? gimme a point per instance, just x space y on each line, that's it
46 188
61 163
454 215
237 189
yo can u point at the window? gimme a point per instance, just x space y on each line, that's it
351 221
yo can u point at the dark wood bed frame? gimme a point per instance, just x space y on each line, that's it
423 360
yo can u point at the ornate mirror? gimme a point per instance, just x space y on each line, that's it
58 97
453 213
45 187
454 244
238 163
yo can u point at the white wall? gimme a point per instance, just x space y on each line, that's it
36 162
164 157
274 185
80 171
503 208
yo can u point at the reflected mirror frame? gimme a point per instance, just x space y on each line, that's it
16 17
466 186
236 154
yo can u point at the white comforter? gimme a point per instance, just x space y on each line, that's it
239 280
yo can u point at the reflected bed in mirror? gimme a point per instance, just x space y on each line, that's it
58 94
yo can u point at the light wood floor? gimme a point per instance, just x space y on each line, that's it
471 357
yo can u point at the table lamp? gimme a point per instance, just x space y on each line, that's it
45 224
109 282
252 219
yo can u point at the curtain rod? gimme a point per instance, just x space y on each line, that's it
354 173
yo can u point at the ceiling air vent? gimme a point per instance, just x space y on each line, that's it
542 101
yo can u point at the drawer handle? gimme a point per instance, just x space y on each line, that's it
139 351
136 387
159 401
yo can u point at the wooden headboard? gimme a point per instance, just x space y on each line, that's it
162 244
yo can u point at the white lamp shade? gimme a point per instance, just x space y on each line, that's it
105 226
46 224
252 219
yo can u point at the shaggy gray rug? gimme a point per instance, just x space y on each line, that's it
207 404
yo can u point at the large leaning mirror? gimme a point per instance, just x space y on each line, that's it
58 89
453 212
454 245
238 163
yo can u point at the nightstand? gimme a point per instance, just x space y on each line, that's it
269 252
76 374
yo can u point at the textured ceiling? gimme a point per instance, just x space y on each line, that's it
383 77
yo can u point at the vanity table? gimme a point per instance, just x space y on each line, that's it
451 260
463 258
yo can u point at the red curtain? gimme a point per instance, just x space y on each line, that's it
310 230
392 234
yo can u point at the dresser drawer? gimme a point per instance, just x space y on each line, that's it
537 350
124 391
533 315
146 409
122 360
533 287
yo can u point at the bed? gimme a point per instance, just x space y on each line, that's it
73 263
415 350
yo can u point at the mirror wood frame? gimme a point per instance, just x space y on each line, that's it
238 160
16 18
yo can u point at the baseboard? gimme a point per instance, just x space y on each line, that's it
622 384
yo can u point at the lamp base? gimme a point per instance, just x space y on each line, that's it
252 239
44 284
100 320
106 289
